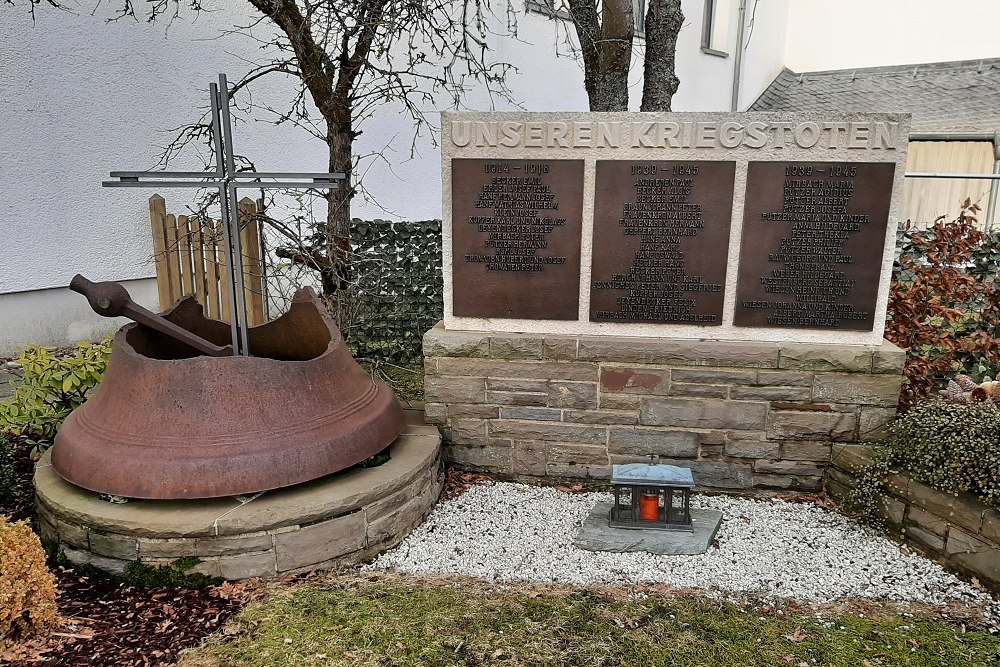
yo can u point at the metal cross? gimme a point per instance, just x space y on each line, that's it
227 180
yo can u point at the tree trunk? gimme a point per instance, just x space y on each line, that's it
606 45
663 21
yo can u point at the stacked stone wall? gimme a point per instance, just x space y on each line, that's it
957 530
742 415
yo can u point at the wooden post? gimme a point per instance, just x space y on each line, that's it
254 284
158 222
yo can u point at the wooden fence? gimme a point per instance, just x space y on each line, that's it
190 259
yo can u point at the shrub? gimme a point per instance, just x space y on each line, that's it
944 304
8 475
27 588
953 447
51 386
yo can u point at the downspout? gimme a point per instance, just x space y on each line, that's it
738 63
991 208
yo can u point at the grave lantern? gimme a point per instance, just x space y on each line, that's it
652 495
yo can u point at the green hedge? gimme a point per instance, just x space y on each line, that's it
398 292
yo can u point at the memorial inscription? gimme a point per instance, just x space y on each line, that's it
661 236
813 241
516 228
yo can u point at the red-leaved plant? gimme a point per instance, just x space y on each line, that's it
944 304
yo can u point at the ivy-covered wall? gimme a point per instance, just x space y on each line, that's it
398 289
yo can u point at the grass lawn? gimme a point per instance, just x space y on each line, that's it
394 620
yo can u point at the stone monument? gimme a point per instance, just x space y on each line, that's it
709 288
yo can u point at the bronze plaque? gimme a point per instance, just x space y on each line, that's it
661 239
813 236
516 228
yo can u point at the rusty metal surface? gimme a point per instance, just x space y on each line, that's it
516 228
168 423
112 300
661 238
813 240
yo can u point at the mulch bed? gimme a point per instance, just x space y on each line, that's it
109 623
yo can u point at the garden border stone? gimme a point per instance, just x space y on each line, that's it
341 519
958 531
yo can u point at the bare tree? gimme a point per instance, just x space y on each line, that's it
605 30
350 58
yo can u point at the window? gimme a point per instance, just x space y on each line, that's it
715 31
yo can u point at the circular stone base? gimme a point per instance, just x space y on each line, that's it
338 520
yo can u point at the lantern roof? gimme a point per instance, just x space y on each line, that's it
653 474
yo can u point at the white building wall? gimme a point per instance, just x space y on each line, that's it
825 35
83 97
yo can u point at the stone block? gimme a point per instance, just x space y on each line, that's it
112 565
888 359
122 547
588 455
534 386
534 414
610 401
47 531
76 536
392 502
559 347
797 468
515 346
703 413
516 398
771 393
528 458
474 411
880 390
845 480
321 541
572 394
679 352
578 471
247 566
635 380
973 555
454 389
753 449
873 421
924 538
890 509
944 505
549 431
499 368
494 459
646 441
784 378
218 546
713 375
700 390
837 491
466 432
851 458
404 519
600 417
435 413
825 357
806 450
991 526
787 482
927 521
719 475
440 342
808 425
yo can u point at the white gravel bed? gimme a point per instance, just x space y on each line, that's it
515 532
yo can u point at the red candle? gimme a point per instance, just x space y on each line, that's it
649 507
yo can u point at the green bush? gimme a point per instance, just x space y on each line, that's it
949 446
51 386
8 475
